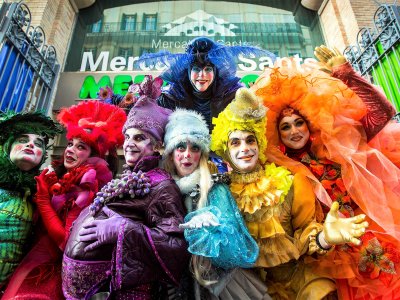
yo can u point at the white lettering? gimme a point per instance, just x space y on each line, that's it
88 57
131 62
310 64
253 64
266 62
297 59
247 64
284 61
142 66
118 63
154 45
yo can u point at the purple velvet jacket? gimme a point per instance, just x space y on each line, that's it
150 246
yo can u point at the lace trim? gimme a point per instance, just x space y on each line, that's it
313 245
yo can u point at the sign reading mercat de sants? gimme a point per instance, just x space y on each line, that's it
118 72
104 62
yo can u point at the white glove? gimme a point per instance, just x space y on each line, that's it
205 219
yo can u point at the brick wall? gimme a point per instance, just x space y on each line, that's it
364 11
341 20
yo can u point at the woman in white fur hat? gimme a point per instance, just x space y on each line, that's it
214 229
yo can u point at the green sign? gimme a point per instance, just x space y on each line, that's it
121 84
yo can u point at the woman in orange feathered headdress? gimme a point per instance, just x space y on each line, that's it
320 125
94 129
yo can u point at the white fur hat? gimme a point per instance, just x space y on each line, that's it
186 125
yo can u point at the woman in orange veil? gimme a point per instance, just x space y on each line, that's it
341 114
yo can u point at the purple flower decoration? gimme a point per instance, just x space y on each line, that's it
105 94
128 101
149 88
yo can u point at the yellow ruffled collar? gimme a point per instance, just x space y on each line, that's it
265 187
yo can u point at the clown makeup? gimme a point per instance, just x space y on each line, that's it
27 151
76 153
243 150
137 145
186 157
294 131
202 77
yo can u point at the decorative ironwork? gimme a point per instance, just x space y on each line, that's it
17 36
28 61
387 31
22 16
386 26
35 58
37 37
382 18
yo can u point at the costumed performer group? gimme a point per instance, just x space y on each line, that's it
308 210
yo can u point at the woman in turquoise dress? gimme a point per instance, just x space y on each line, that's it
214 229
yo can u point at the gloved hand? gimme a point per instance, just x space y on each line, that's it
206 219
43 184
329 57
54 225
342 230
101 232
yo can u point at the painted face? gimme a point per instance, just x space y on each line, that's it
137 144
76 153
243 150
202 77
27 151
186 158
294 131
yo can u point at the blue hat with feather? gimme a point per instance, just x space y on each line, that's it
201 51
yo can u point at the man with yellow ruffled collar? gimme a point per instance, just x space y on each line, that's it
278 207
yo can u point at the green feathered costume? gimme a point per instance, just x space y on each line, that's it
16 186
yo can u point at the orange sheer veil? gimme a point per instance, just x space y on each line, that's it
333 112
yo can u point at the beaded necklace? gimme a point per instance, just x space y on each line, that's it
131 183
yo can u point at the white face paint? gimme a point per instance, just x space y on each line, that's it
202 77
27 151
294 131
243 150
137 145
186 158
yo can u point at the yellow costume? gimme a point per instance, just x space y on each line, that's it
278 208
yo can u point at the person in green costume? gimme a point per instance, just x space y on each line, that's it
24 140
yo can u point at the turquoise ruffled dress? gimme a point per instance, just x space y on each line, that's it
228 245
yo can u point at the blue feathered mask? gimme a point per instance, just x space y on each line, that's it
201 51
